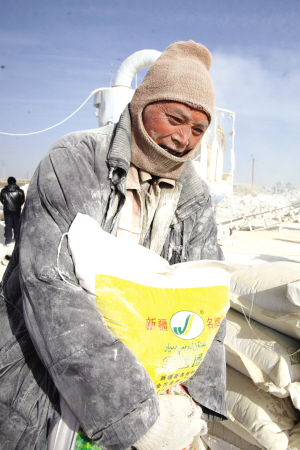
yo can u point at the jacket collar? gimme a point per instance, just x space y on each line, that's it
193 194
119 153
12 187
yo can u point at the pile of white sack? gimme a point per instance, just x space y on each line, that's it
247 202
263 361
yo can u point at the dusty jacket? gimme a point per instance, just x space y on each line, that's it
12 198
52 337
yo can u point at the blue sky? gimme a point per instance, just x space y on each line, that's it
53 54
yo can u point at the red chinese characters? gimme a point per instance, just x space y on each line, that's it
153 323
162 325
150 324
213 323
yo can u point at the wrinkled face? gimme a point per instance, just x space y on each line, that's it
175 127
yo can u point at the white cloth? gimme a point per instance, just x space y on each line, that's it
144 197
179 422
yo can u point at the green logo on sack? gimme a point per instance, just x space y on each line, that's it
186 324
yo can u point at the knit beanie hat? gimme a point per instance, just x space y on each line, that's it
179 74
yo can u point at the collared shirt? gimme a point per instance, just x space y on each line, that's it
143 192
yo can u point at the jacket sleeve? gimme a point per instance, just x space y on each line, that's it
208 385
101 380
2 197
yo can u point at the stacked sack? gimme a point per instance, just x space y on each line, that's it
262 352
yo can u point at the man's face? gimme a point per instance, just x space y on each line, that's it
175 127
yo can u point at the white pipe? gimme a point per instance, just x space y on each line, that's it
225 110
212 159
232 148
219 166
203 159
135 62
111 102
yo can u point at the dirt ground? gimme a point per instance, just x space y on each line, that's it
267 245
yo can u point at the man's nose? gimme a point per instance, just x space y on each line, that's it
181 137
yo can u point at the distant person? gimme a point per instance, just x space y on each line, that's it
12 198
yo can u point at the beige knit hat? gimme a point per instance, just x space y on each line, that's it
179 74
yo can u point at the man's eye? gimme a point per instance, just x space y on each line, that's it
198 131
175 118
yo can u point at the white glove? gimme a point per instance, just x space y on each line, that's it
178 423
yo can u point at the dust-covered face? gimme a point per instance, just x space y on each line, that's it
174 126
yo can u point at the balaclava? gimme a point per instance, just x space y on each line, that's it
180 74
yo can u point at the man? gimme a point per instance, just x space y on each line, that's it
12 198
136 179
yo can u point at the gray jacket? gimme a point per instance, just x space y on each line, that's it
53 339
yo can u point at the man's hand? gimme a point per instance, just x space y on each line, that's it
178 423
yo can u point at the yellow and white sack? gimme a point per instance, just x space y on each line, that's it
167 315
271 359
270 294
258 416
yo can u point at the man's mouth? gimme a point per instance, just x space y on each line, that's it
174 152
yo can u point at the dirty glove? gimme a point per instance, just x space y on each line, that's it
178 423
